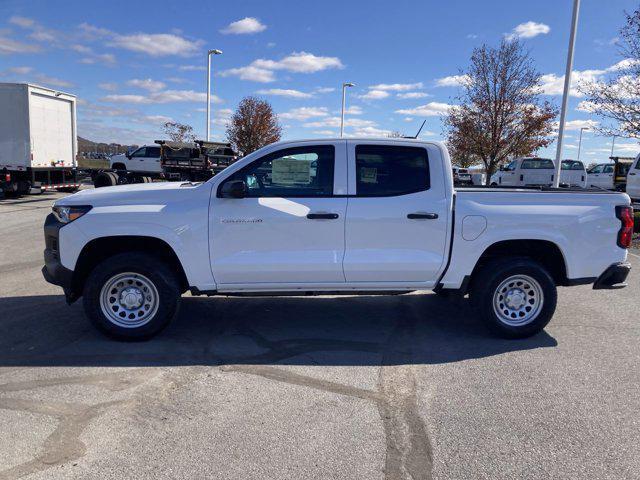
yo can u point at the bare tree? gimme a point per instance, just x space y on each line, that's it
178 132
253 125
500 114
618 97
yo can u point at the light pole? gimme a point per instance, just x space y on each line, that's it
580 141
565 95
209 53
344 88
613 144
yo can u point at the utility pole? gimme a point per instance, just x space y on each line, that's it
565 96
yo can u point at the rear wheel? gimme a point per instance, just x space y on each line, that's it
516 297
131 296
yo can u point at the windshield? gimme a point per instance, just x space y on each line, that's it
537 164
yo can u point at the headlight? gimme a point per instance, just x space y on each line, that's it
71 213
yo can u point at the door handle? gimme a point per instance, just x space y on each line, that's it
632 174
322 216
422 216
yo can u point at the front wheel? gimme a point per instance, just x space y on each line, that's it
131 296
516 297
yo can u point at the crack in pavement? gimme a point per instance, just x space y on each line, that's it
64 444
409 454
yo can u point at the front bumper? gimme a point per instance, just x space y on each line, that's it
614 276
53 271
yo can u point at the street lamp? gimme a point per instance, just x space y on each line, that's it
580 141
209 53
344 88
613 144
565 95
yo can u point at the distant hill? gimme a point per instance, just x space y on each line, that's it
85 145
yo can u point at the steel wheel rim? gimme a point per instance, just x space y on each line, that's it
129 300
518 300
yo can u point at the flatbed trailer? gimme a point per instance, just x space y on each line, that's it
194 162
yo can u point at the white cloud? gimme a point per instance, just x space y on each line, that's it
324 132
147 84
396 87
578 124
528 30
262 70
18 70
334 122
325 89
105 58
165 96
300 62
280 92
247 25
452 81
374 95
108 86
53 81
410 95
9 46
23 22
191 68
431 109
157 119
157 44
304 113
369 132
353 110
250 73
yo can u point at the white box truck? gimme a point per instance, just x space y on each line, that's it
38 140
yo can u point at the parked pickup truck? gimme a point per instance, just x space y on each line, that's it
333 216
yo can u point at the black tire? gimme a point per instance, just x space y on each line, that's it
105 179
487 281
145 265
68 189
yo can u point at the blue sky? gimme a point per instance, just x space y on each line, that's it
134 64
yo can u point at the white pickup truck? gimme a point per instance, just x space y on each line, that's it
333 216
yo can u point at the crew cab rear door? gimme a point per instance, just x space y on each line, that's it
288 230
397 214
633 180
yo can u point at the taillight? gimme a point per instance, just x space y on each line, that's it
625 215
7 177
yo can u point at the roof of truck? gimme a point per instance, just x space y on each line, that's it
35 85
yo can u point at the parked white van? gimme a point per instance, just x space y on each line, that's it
573 174
527 171
633 180
601 176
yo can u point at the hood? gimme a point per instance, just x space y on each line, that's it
132 194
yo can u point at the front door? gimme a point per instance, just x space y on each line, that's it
397 214
289 228
633 180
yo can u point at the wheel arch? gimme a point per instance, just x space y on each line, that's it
119 166
545 252
99 249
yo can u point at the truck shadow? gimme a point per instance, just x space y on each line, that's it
350 331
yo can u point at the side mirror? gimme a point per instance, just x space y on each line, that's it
501 168
128 155
234 189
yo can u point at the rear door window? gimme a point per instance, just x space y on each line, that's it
572 165
153 152
390 170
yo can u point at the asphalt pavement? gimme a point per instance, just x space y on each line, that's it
376 387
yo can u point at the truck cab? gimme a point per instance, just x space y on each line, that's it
145 159
633 180
573 174
528 171
601 176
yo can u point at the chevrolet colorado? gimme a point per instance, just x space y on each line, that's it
356 216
